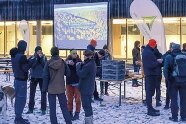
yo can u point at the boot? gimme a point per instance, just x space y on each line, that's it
71 115
89 120
174 119
152 113
155 110
43 112
30 111
158 103
166 107
21 121
76 116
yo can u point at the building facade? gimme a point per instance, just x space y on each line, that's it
124 32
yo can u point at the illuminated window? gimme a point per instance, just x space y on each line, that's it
2 38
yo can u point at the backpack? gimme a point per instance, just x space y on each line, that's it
179 68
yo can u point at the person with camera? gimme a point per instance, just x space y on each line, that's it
72 85
38 61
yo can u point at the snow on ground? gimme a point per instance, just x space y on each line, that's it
132 111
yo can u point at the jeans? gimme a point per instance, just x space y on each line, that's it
20 97
86 104
136 69
158 88
102 84
175 89
33 86
63 105
73 92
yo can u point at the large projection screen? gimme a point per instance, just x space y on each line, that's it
76 24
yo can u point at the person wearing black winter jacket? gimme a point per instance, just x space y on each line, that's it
99 56
72 85
37 61
20 66
151 67
86 72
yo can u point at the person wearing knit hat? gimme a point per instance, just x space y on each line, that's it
92 45
54 74
152 43
151 67
176 77
72 85
86 72
20 68
38 61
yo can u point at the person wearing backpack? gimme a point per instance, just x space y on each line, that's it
176 62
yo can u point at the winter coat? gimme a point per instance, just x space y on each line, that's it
168 64
87 74
38 64
136 55
53 76
73 79
150 64
20 64
158 56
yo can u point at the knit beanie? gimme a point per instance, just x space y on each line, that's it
93 42
152 43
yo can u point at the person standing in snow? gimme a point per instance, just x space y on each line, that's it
53 82
151 71
87 73
159 78
72 84
167 80
91 47
20 66
136 61
174 71
38 61
102 84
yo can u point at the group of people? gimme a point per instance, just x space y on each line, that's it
173 64
50 75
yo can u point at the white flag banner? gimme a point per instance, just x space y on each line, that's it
25 31
149 21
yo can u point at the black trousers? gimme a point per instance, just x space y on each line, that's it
96 94
158 88
174 90
150 86
33 86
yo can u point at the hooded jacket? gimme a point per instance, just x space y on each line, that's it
20 64
53 76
